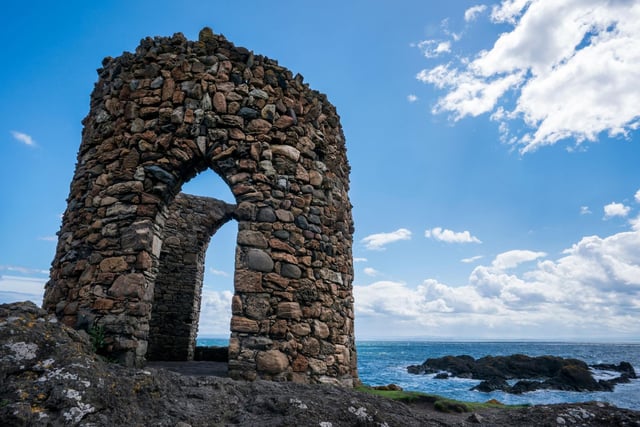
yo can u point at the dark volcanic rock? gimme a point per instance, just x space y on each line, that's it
624 368
542 372
492 384
212 353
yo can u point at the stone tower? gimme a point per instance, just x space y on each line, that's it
130 253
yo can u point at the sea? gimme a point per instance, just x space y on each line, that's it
385 362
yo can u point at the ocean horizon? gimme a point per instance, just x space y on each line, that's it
384 361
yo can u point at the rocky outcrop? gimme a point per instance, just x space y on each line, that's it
534 373
50 376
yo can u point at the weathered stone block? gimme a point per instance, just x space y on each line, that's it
258 126
317 366
290 270
248 281
259 260
103 304
272 361
128 285
257 307
320 329
300 329
114 264
289 310
287 151
255 239
242 324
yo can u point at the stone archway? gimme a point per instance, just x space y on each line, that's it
190 224
159 117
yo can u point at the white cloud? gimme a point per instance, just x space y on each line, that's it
360 259
469 94
412 98
585 82
449 236
591 291
434 48
616 209
371 271
443 47
512 259
508 10
472 13
23 270
24 138
584 210
14 289
215 312
375 299
637 196
471 259
218 272
379 240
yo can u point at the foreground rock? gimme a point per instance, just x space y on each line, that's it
49 375
534 373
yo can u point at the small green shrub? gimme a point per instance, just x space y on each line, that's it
96 333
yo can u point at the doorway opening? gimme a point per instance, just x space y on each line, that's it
194 284
219 266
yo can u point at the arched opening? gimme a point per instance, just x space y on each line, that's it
183 287
217 288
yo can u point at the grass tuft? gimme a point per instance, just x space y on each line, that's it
441 404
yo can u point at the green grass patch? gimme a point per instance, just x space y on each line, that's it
440 403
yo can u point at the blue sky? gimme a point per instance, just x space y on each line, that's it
493 148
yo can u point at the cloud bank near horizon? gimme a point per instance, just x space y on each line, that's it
590 290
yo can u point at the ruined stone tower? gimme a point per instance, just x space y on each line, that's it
130 254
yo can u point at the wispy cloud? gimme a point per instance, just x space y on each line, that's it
616 209
434 48
48 238
360 259
472 13
23 270
471 259
218 272
450 236
14 288
412 98
512 259
371 271
379 240
23 138
584 210
586 81
637 196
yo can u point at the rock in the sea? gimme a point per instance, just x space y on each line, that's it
493 384
535 373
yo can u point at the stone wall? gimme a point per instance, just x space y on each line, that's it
160 116
190 223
